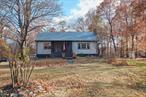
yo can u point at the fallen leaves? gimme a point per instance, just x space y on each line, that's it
86 80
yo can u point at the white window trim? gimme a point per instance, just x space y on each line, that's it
80 46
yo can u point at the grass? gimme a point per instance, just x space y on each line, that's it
92 78
137 62
4 65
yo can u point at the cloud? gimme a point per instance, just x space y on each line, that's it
84 6
80 11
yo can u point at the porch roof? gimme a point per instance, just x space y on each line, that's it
66 36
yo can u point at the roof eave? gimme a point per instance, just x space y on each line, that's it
66 40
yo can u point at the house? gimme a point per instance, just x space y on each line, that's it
65 44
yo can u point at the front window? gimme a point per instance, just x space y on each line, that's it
47 45
83 46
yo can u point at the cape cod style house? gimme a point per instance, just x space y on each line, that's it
65 44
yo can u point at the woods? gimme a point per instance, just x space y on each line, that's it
124 22
119 24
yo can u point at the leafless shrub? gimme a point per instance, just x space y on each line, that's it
20 73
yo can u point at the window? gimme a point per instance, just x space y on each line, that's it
47 45
83 46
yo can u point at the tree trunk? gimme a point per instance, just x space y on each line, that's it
113 40
132 44
132 47
121 50
22 51
1 32
98 50
127 50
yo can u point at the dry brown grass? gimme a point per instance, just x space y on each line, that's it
61 62
117 62
94 79
49 62
88 77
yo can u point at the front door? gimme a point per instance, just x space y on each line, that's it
57 48
68 51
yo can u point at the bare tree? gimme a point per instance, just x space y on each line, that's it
24 18
98 28
130 23
3 22
62 26
107 11
25 15
80 25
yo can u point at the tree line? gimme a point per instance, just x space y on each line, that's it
120 26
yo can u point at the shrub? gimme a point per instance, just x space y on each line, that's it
111 60
49 62
20 69
120 63
117 62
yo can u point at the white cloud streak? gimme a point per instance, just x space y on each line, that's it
80 11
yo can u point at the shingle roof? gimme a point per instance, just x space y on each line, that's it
66 36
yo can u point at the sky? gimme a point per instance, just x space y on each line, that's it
67 5
73 9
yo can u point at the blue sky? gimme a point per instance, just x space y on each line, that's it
73 9
68 5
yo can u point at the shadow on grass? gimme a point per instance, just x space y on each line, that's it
8 90
139 86
94 88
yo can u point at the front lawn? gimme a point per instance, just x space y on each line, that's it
94 80
89 79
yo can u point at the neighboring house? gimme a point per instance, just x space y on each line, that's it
66 44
